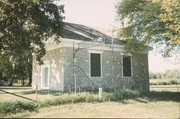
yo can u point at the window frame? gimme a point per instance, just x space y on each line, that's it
42 76
123 66
95 52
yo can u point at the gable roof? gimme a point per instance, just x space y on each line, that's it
85 33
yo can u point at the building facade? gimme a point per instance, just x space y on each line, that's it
80 64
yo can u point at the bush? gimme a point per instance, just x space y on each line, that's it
71 98
14 107
121 94
18 107
163 83
153 83
173 82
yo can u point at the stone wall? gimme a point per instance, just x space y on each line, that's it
53 59
108 80
141 71
62 77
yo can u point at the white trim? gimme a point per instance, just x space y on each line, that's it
95 51
90 64
42 76
71 40
65 42
123 66
93 45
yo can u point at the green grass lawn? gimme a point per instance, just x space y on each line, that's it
170 88
132 109
154 104
26 92
164 81
113 109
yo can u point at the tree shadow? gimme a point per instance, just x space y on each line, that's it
143 96
42 92
141 100
15 88
161 96
121 96
123 102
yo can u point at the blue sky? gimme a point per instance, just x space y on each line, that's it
102 14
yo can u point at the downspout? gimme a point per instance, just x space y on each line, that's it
74 77
112 70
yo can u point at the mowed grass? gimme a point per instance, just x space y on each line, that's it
25 92
164 81
138 105
132 109
169 88
44 95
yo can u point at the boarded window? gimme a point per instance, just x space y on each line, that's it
127 66
95 65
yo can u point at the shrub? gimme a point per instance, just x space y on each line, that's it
173 82
163 83
121 94
153 83
14 107
17 107
71 98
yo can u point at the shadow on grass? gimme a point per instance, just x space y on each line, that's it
142 96
161 96
140 100
15 88
118 96
42 92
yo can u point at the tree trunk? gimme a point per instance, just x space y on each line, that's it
30 80
30 75
11 83
22 81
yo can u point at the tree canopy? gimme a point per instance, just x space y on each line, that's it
24 27
145 22
168 74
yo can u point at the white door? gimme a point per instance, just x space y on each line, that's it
45 77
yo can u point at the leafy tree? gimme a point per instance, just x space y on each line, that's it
24 27
172 74
170 16
147 22
152 75
168 74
